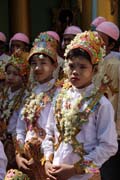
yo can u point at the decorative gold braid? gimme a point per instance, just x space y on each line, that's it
17 100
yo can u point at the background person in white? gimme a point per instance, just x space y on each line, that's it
3 162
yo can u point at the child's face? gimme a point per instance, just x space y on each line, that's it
13 78
15 45
2 84
67 39
42 68
81 72
108 45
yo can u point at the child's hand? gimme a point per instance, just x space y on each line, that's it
32 164
63 171
49 170
22 162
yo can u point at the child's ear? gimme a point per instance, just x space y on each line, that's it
55 64
111 46
95 69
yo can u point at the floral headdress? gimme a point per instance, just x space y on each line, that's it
14 174
2 68
90 42
44 44
19 60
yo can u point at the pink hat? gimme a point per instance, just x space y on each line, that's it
54 35
98 20
110 29
72 30
2 37
20 37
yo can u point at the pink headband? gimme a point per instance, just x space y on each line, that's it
98 20
54 35
72 30
2 37
110 29
20 37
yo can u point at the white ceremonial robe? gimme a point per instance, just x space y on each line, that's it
11 126
98 135
22 136
113 54
60 61
112 69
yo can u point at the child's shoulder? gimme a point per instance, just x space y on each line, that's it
105 101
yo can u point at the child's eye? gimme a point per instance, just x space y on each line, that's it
33 64
16 74
71 66
8 73
43 63
82 67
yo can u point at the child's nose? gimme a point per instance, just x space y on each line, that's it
76 70
38 67
11 77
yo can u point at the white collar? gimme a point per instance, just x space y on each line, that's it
44 87
85 91
12 94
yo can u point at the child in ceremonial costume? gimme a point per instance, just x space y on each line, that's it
19 41
16 75
31 122
80 131
2 75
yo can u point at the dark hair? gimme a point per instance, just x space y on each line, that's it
24 77
78 52
10 64
111 40
52 61
117 45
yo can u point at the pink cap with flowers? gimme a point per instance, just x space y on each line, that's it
91 42
45 44
19 60
110 29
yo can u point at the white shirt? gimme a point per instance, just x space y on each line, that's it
113 54
98 135
11 128
3 162
42 120
60 61
4 57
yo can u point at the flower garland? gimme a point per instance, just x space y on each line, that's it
7 107
69 120
33 106
14 174
30 113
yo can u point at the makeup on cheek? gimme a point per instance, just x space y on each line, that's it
46 68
